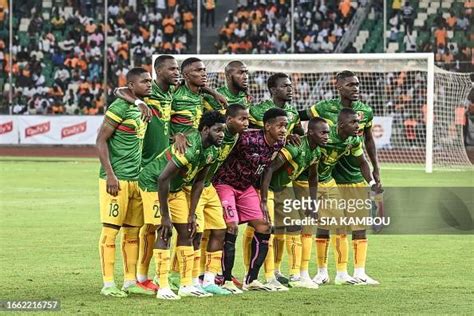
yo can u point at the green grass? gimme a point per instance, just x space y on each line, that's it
49 229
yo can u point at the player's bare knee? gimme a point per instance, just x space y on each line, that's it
262 228
160 242
217 235
197 241
322 233
359 234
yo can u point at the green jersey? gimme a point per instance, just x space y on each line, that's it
258 110
240 98
194 160
334 150
299 158
125 145
157 136
222 152
346 171
186 110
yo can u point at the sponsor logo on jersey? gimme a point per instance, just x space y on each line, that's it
38 129
72 130
6 127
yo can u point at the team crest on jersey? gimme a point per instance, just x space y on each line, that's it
360 115
348 149
209 159
290 117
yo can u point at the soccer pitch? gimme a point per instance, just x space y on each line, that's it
49 230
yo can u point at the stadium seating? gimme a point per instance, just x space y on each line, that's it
60 35
429 16
260 28
66 38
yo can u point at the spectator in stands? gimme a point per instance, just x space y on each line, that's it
408 17
463 22
350 49
396 6
410 125
410 42
451 21
441 35
210 12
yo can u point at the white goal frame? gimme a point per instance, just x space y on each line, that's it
428 57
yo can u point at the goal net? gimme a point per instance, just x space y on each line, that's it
418 108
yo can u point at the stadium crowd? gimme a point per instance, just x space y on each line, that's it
265 27
59 69
449 36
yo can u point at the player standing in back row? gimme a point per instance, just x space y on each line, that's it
119 143
347 172
281 91
157 139
235 90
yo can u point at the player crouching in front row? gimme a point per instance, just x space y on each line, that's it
168 199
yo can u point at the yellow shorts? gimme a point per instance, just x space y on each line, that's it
301 190
270 205
358 202
210 208
151 207
125 208
329 198
179 204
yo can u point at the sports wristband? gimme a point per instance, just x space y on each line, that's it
372 182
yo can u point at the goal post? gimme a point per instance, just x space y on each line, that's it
416 105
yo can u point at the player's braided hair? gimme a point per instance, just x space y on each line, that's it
210 118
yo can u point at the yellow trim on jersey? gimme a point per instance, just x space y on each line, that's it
255 122
330 123
313 111
131 122
153 102
114 117
357 151
183 112
289 158
178 156
287 154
